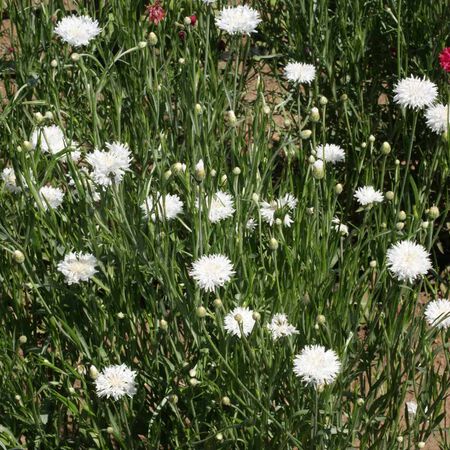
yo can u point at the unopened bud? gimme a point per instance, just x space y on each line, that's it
389 195
318 170
93 372
421 444
321 319
226 401
385 148
213 173
201 311
373 264
433 212
39 117
142 44
236 171
425 224
273 244
200 173
27 145
54 63
360 401
256 315
177 167
231 117
71 390
110 430
75 57
255 197
23 339
198 108
163 324
152 38
399 439
371 138
323 100
305 134
399 226
401 215
120 315
266 110
314 114
338 188
187 21
18 256
167 174
218 303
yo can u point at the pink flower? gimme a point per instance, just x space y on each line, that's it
156 12
444 59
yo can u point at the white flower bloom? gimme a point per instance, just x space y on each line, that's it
221 206
330 153
437 118
239 317
238 20
268 210
78 267
411 407
339 227
50 139
300 72
407 260
110 164
212 271
169 207
287 220
367 195
251 225
51 197
116 382
415 93
280 327
317 366
9 178
437 313
208 2
77 30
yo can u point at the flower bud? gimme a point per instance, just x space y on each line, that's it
200 173
385 148
360 401
424 225
399 439
310 210
39 117
344 97
401 215
338 188
17 398
273 244
71 390
363 145
323 100
177 167
231 117
389 195
278 222
321 319
201 311
23 339
173 399
399 226
236 171
371 138
48 115
163 324
187 21
93 372
421 444
397 162
305 134
433 212
27 145
193 381
226 401
223 179
167 174
181 61
256 315
219 436
142 44
373 264
314 114
18 256
318 170
255 197
120 315
54 63
193 373
218 303
110 430
266 110
152 38
287 123
311 159
198 108
75 57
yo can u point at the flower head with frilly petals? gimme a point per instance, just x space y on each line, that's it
300 72
77 30
437 313
116 382
212 271
239 318
238 20
414 92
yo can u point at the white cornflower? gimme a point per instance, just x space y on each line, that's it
9 178
280 327
331 153
437 118
208 2
212 271
407 260
238 20
251 225
317 366
110 165
300 72
77 30
169 207
50 139
51 197
339 227
268 210
78 267
415 93
116 382
221 206
367 195
411 407
437 313
239 317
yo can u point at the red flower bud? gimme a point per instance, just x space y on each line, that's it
193 19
